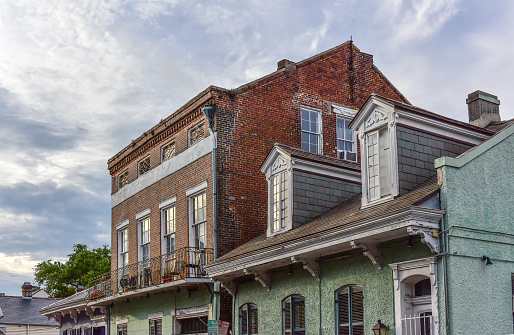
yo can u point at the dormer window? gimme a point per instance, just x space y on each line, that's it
379 166
279 201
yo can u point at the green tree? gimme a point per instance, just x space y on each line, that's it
61 279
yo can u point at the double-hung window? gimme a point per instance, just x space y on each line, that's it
311 130
373 166
155 326
144 238
123 247
346 147
279 201
168 218
248 318
198 224
122 329
293 315
350 312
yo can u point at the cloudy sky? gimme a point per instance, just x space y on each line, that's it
80 79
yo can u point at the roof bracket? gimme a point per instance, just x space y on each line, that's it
261 277
74 314
89 311
309 264
371 251
230 287
428 237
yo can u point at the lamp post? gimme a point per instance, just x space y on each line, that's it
380 328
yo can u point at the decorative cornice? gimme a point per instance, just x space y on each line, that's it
327 241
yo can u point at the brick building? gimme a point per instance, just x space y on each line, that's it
162 183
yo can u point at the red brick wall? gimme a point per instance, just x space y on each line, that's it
251 120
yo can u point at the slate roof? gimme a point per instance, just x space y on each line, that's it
425 113
21 311
346 214
294 152
498 126
73 300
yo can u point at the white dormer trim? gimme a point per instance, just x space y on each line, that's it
380 118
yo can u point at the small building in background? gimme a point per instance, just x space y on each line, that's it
20 315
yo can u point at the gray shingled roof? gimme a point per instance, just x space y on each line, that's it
21 311
73 300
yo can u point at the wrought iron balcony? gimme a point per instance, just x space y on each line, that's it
181 264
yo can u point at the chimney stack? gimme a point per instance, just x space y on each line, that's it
483 108
26 290
286 64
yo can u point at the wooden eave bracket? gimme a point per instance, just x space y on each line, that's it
261 277
74 314
428 237
371 251
230 287
89 311
58 316
310 265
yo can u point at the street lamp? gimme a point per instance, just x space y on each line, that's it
380 328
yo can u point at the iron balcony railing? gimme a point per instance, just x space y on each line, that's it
421 324
180 264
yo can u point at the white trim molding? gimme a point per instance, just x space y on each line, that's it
367 232
195 189
404 276
156 315
192 312
169 167
142 214
122 321
167 202
122 224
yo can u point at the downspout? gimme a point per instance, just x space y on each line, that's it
209 112
445 277
319 288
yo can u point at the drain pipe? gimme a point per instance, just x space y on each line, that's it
209 112
445 276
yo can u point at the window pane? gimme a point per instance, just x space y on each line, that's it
305 141
287 314
348 146
170 243
299 313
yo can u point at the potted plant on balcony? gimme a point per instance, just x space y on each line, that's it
167 276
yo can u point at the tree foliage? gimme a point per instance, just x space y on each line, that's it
61 279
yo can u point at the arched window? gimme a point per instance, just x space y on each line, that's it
248 317
293 315
350 312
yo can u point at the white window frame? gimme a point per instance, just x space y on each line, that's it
354 141
162 150
280 164
200 124
192 224
320 128
154 317
164 230
139 163
368 175
140 241
120 228
279 179
404 275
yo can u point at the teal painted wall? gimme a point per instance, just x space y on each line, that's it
479 202
137 310
351 269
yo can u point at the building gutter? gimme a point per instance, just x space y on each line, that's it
445 276
209 112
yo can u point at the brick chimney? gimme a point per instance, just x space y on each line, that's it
26 290
483 108
286 64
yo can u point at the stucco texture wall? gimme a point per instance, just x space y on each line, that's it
137 310
349 269
478 199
